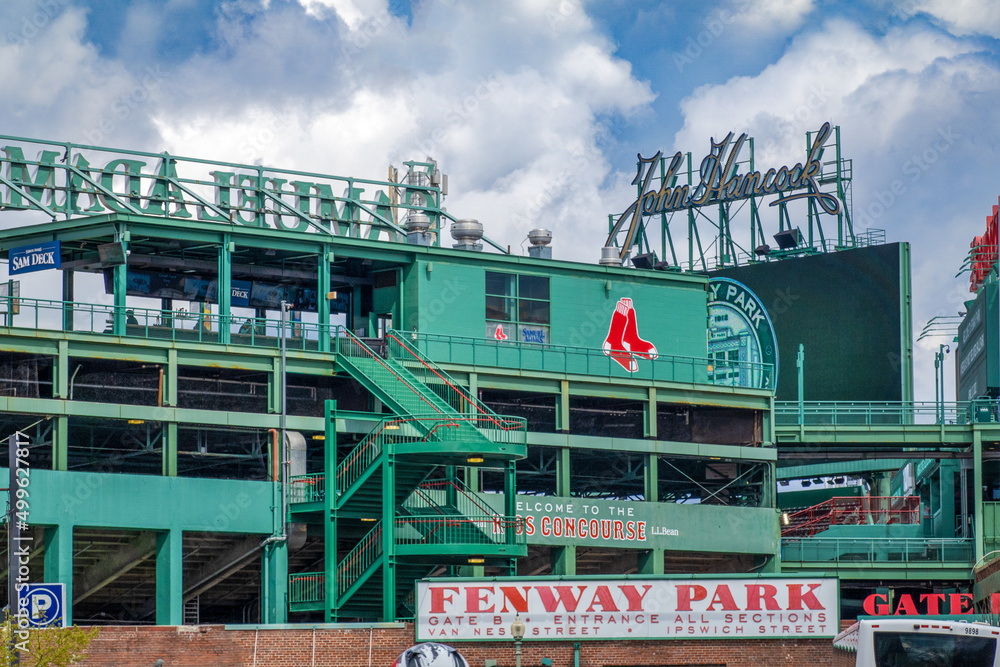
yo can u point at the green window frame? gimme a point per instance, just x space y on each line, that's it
519 300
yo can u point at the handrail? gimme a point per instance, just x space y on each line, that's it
450 382
852 510
490 529
359 559
463 492
875 413
156 323
355 341
856 550
398 430
446 348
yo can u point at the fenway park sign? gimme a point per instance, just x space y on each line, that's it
627 608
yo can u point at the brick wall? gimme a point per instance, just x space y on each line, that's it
214 646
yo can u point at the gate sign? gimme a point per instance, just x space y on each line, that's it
26 259
44 605
627 608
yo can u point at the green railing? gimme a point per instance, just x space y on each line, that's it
306 587
359 559
447 494
307 488
897 413
392 431
487 530
877 550
586 361
393 379
177 325
433 376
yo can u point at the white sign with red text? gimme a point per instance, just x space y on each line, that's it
627 608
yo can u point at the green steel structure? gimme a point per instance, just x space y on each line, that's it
343 406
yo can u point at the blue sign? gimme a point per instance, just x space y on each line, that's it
240 295
35 257
44 605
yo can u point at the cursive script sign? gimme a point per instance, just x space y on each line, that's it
721 182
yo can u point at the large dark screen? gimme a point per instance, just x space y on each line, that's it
847 309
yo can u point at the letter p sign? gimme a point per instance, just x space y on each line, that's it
44 605
41 602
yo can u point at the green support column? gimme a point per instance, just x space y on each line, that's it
61 371
323 303
68 298
563 472
170 578
651 561
977 487
274 584
649 414
510 490
330 509
170 449
768 497
170 379
120 278
59 561
388 537
562 407
473 390
60 443
225 288
651 479
564 560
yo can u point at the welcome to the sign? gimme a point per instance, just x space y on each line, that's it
722 182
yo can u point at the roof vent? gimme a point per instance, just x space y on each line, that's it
609 256
540 240
467 234
417 224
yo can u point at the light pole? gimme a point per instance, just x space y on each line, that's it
517 632
939 382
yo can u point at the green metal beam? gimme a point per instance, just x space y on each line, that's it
59 560
170 578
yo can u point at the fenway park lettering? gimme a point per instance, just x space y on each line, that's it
628 608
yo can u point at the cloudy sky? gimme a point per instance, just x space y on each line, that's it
536 109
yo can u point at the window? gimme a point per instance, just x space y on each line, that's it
517 307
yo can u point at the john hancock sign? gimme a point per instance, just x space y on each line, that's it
721 182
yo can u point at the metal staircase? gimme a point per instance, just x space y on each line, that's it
415 524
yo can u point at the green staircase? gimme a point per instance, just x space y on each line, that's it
436 422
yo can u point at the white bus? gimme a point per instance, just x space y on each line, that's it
919 642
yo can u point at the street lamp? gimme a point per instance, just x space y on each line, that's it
517 632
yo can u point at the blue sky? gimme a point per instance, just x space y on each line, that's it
537 108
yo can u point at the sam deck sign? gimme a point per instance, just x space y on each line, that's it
26 259
628 608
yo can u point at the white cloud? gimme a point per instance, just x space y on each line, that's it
352 12
507 97
964 17
771 15
913 109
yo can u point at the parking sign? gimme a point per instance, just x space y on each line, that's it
44 605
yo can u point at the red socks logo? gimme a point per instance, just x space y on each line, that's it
623 343
499 334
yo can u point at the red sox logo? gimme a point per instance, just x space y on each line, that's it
623 343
